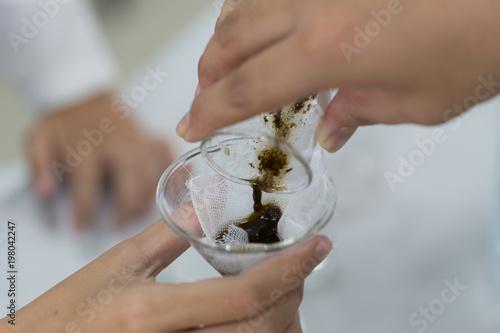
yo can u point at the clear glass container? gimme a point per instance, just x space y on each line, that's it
176 208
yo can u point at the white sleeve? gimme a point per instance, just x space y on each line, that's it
54 51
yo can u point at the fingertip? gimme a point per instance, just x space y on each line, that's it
307 255
323 248
336 140
191 136
45 186
183 126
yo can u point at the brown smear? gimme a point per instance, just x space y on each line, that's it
274 162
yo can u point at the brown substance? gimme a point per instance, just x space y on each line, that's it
262 225
274 162
257 197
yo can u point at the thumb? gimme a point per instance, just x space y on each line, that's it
40 153
351 108
287 271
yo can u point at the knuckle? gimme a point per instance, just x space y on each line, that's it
205 68
233 3
210 65
235 22
226 34
214 62
319 42
308 47
312 45
238 85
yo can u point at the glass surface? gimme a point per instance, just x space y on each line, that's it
176 208
237 156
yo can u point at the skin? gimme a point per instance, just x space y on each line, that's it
426 60
137 304
127 158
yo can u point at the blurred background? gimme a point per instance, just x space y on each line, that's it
135 30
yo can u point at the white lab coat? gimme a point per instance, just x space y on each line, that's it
54 52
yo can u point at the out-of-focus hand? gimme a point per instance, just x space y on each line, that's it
117 293
395 61
88 145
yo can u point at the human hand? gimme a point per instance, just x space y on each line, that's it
116 293
88 145
423 62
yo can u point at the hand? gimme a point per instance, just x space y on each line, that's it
89 144
420 63
116 293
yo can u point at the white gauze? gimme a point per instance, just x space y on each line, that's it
220 203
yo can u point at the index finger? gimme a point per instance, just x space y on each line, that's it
41 155
254 26
85 186
272 78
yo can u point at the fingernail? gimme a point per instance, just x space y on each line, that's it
198 91
183 126
323 249
323 132
332 142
